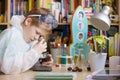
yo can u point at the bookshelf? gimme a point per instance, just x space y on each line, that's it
8 6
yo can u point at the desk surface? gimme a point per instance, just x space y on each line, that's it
29 75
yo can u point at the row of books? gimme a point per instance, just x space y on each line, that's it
94 6
66 7
20 7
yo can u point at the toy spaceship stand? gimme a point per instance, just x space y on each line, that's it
79 32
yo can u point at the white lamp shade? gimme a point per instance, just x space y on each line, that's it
101 20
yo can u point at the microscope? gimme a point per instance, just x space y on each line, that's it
38 66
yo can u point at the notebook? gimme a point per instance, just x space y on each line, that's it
55 76
107 75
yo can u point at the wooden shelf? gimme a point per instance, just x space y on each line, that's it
113 24
63 23
3 23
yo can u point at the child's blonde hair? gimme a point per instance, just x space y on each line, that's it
37 11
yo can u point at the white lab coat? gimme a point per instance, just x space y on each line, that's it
16 55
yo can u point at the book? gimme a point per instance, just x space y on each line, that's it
12 7
111 46
116 43
30 4
45 3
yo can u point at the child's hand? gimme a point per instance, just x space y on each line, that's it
49 62
40 46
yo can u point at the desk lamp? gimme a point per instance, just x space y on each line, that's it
101 20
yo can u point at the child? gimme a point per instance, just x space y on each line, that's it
19 45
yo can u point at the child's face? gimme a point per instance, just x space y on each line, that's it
32 32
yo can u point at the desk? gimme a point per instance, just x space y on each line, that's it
29 75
